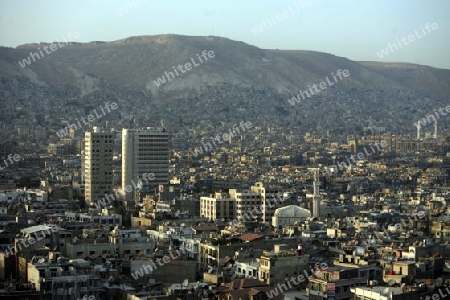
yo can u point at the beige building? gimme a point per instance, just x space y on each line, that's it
117 244
276 266
336 282
220 206
98 160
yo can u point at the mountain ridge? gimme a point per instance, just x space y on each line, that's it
272 76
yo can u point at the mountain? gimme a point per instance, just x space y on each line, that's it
239 80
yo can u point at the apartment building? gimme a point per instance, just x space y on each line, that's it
144 150
217 207
98 160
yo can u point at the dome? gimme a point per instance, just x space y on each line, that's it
292 211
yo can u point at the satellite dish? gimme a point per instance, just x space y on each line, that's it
391 282
185 282
439 282
403 285
385 291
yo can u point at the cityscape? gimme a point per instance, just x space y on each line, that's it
202 159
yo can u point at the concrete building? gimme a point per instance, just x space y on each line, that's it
218 207
282 263
116 244
271 199
65 279
245 201
106 218
98 160
144 151
336 282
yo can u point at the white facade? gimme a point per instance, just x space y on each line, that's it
217 207
98 153
246 201
247 269
104 219
271 199
144 151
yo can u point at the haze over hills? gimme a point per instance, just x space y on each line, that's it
239 81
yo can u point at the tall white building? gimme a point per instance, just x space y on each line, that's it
98 164
217 207
246 201
271 199
144 151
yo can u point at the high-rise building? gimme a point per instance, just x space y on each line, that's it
144 151
98 161
271 199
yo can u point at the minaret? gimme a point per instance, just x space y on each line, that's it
418 130
316 196
435 130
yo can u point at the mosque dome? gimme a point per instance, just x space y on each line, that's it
292 211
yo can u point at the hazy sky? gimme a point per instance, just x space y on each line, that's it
356 29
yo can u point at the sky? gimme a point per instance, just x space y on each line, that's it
356 29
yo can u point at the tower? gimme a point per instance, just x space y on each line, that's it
418 130
144 151
316 196
98 164
435 130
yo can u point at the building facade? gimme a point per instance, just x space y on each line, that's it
144 151
98 159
